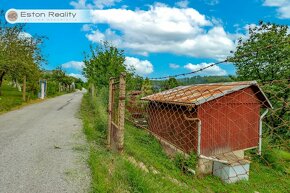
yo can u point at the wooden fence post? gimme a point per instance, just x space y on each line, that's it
121 113
93 90
110 112
24 89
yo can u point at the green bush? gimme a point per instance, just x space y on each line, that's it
185 163
52 88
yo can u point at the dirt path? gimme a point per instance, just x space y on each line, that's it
42 148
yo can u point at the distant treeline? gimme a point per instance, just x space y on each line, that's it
172 82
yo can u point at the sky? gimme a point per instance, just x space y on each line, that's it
159 38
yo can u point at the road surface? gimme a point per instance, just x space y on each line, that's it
42 148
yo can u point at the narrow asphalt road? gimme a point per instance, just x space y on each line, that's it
43 149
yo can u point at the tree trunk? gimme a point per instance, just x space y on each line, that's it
1 81
24 89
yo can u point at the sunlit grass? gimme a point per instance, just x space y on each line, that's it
10 98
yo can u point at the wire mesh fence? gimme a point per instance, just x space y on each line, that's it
224 124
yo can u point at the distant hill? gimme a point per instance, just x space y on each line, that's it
204 79
159 84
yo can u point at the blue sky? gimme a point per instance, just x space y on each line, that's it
160 38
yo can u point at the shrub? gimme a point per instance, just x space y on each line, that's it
185 163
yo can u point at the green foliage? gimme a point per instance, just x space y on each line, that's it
134 82
159 85
19 55
204 79
265 55
277 121
104 62
79 84
52 88
146 87
185 163
57 78
170 83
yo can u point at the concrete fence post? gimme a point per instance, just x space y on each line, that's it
42 90
110 112
121 113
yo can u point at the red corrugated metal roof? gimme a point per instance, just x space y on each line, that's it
201 93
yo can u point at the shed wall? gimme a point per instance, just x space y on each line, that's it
168 122
230 123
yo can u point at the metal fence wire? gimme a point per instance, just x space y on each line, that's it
218 122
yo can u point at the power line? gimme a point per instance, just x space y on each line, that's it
192 72
213 64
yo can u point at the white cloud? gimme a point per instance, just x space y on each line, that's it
212 2
182 4
214 70
105 3
174 66
274 2
109 35
78 76
142 67
99 4
182 31
24 35
248 26
283 7
87 27
96 36
73 65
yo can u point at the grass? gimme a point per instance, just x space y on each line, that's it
112 172
12 98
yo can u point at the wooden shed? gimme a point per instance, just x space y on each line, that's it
209 119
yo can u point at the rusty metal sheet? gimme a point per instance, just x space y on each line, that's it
200 93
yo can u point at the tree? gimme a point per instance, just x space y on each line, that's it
170 83
104 61
265 56
20 56
146 87
9 49
133 81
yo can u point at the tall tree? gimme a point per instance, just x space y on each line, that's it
9 49
20 56
103 62
265 56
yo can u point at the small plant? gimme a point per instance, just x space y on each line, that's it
186 164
